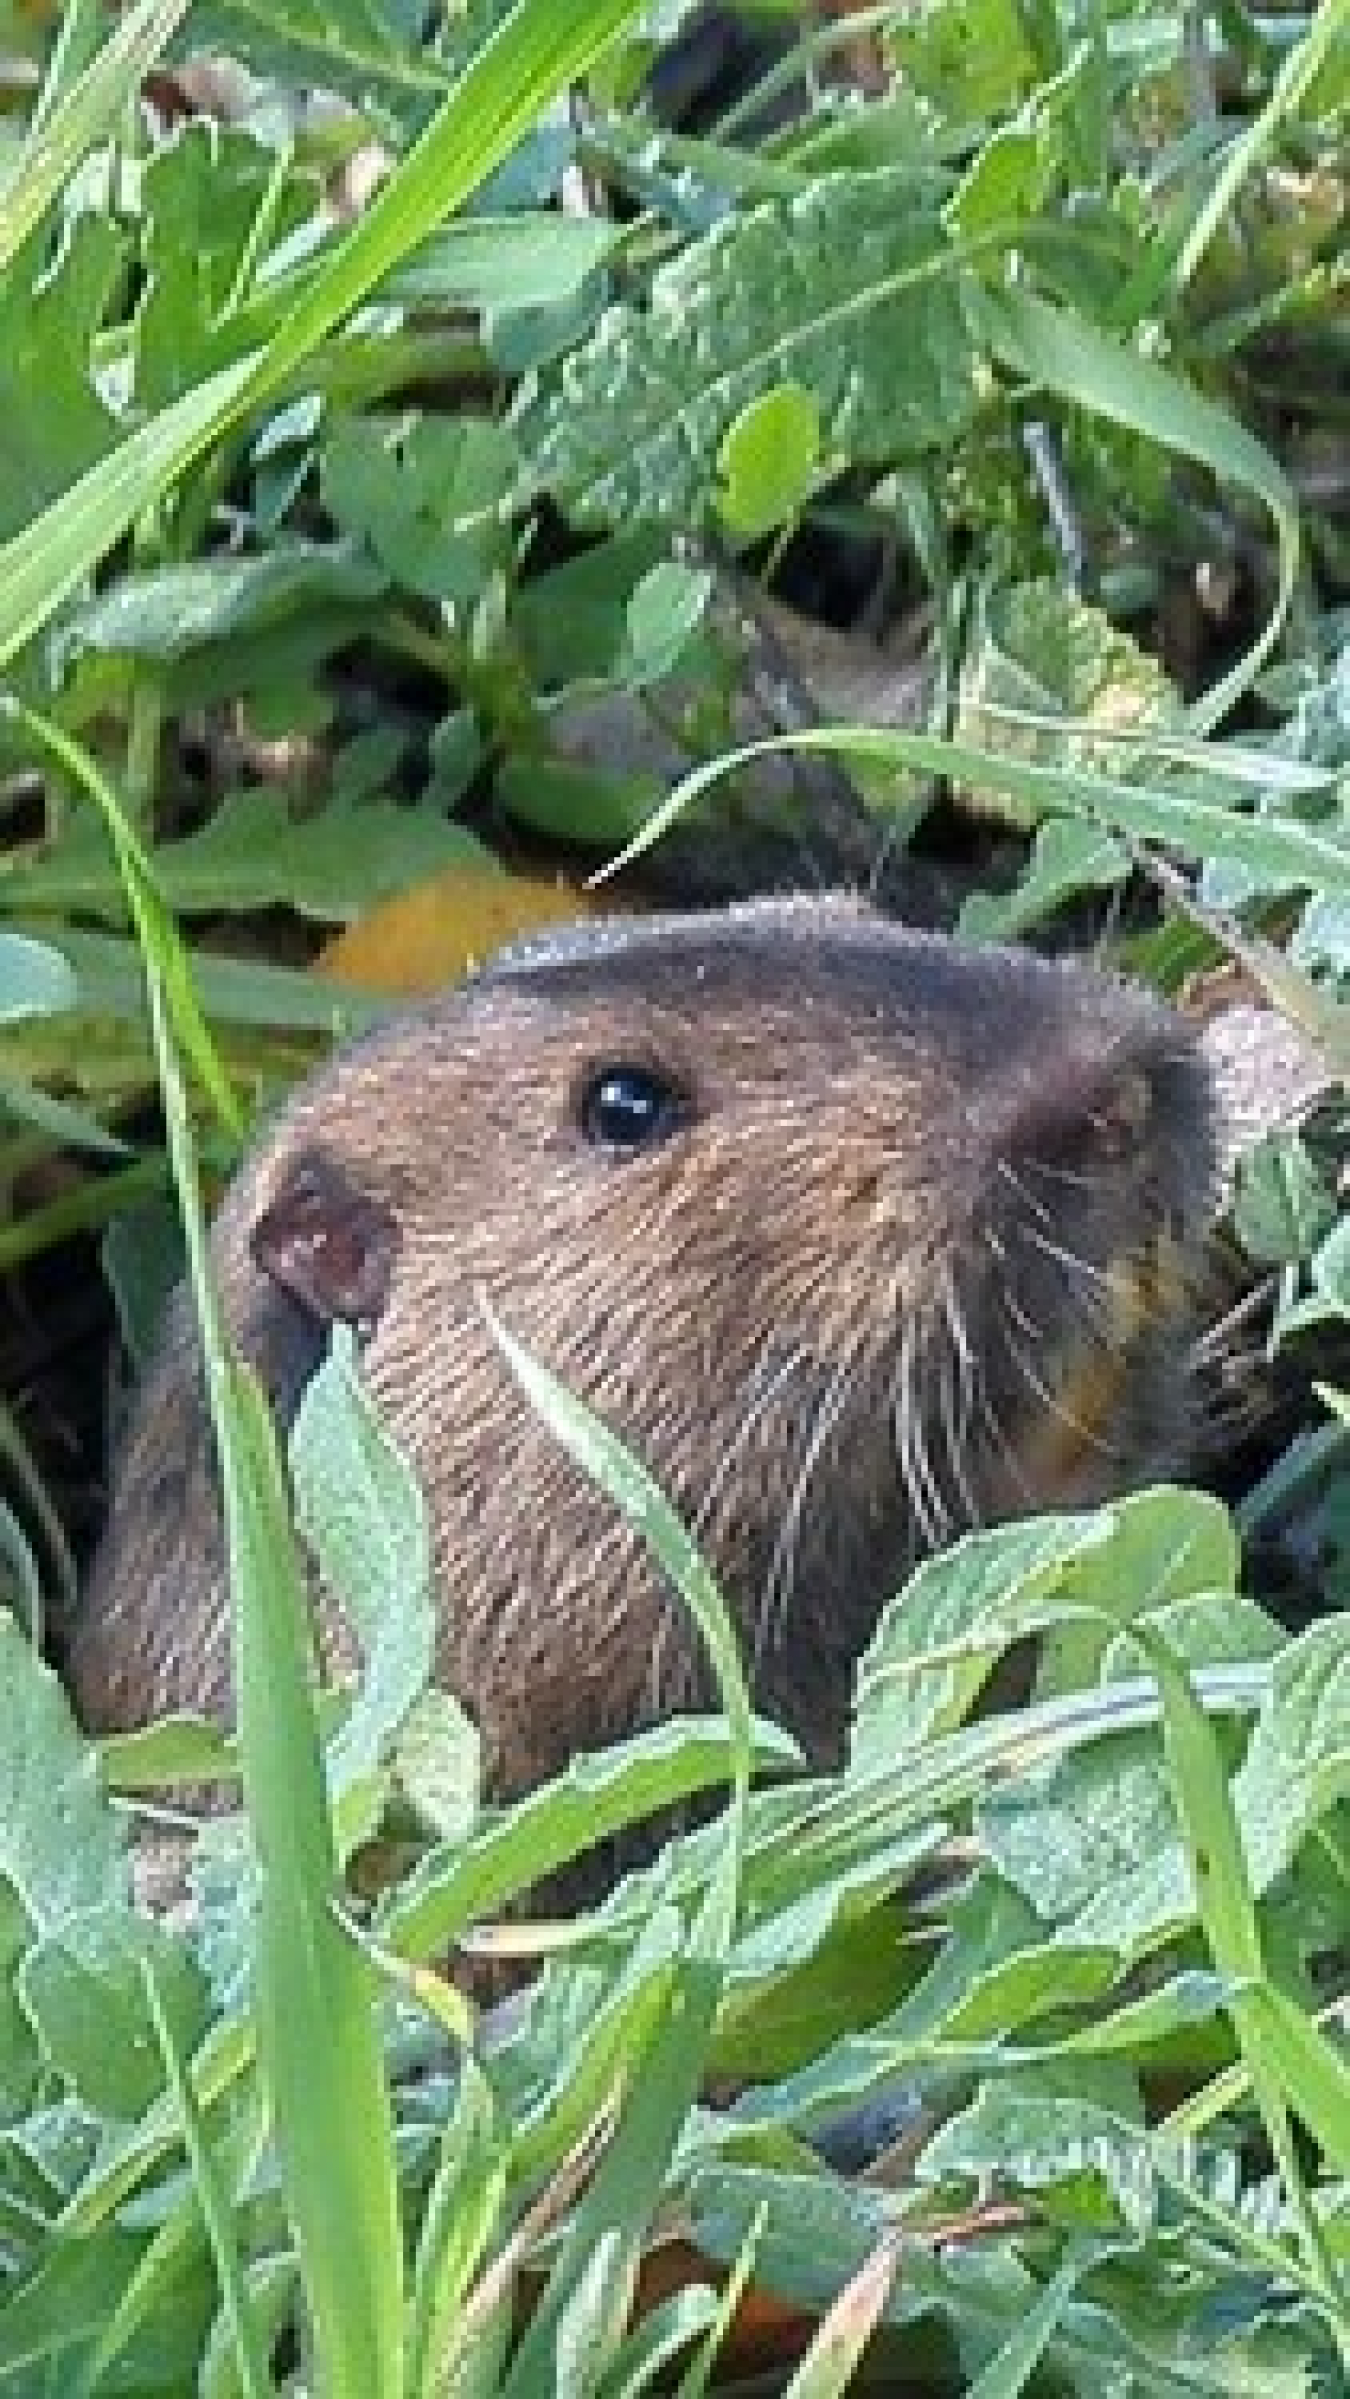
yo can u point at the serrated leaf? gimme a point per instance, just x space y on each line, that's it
1033 2140
64 133
1296 1770
936 1643
533 52
1041 651
369 51
1281 1206
849 291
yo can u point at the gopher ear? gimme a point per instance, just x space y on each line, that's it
326 1242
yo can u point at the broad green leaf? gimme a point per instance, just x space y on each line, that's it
665 611
768 461
1077 1837
49 322
572 619
35 980
234 991
41 566
253 853
208 196
83 1984
1281 1207
1068 859
61 1848
1296 1771
533 260
427 498
163 614
849 291
64 2305
360 1509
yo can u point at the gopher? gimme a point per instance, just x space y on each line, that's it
857 1236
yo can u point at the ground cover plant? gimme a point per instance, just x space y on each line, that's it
384 397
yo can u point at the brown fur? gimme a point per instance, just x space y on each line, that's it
907 1262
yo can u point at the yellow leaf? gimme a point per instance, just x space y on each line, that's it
436 932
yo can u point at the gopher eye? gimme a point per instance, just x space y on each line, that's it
626 1107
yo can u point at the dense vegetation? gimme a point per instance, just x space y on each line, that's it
396 460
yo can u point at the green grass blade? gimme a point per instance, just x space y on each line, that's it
1226 1906
42 565
536 51
628 1483
254 2379
846 2328
314 1994
582 2316
49 157
1065 354
1330 27
539 48
1300 854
